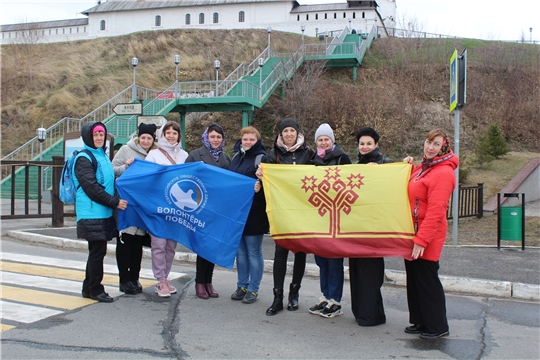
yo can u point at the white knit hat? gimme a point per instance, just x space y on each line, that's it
325 130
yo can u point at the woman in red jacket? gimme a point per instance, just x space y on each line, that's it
430 187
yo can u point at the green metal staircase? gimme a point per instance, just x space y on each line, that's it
247 87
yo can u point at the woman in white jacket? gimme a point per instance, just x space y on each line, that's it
169 153
129 247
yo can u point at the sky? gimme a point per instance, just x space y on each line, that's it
481 19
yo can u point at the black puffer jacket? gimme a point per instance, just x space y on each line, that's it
375 156
280 156
95 229
334 157
244 163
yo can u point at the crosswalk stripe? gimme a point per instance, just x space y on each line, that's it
73 264
48 283
24 313
36 297
67 274
5 327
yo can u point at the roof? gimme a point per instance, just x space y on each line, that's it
349 5
45 24
119 5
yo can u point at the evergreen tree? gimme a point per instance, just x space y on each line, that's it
490 146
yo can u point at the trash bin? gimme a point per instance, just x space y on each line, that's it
511 220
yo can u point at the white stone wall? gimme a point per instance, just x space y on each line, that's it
257 16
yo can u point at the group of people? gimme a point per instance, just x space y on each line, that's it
430 186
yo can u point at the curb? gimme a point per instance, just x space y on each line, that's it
453 284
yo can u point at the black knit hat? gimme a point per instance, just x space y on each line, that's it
288 122
147 129
367 131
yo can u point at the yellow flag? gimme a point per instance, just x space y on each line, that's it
340 211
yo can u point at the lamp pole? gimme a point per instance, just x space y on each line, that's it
134 63
217 65
303 29
530 38
176 60
261 63
41 135
269 29
350 26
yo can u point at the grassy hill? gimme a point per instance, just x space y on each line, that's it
402 89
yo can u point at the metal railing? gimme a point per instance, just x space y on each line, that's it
471 202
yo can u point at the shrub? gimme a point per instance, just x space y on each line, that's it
491 146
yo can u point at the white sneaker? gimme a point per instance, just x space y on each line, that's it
331 310
162 289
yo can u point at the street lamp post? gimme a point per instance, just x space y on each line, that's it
530 38
41 136
269 30
303 29
350 26
134 63
217 65
261 63
176 62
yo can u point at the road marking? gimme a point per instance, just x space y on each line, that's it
24 313
31 285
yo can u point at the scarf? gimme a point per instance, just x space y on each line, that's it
216 153
282 146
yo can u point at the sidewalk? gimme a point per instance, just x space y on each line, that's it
486 271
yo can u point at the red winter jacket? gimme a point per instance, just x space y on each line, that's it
429 192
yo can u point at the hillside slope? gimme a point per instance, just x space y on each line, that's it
402 89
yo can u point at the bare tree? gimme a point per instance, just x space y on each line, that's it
30 34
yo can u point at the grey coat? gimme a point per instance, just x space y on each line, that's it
126 152
204 155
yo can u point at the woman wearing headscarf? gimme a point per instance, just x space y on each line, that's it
289 148
170 152
249 258
95 202
430 187
367 274
331 273
129 249
211 153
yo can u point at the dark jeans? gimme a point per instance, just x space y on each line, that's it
280 267
204 271
128 257
425 296
94 268
331 277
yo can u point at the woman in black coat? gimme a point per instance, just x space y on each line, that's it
249 259
367 274
211 153
289 148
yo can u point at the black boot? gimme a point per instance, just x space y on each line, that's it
293 297
277 305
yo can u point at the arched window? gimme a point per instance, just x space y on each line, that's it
201 18
63 30
335 15
354 15
316 16
57 30
215 20
297 17
241 16
363 15
344 15
325 16
158 20
188 19
307 16
102 25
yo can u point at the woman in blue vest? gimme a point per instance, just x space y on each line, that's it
94 205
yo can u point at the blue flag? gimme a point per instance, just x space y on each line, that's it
202 207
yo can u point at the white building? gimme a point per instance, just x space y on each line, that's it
121 17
